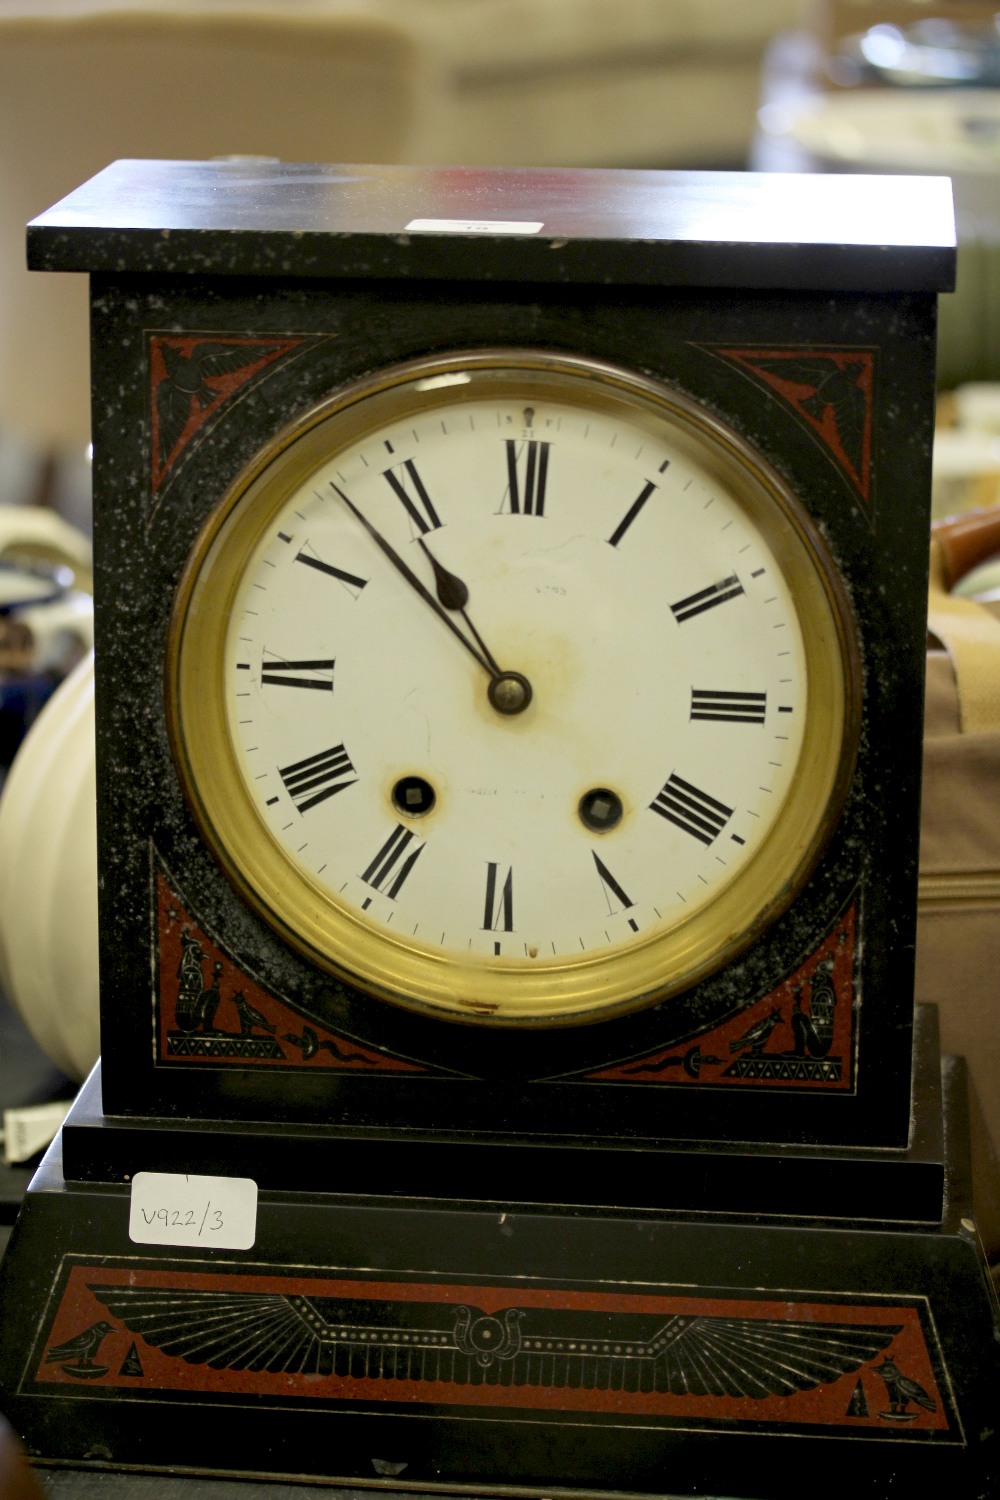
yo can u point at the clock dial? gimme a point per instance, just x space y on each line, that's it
513 687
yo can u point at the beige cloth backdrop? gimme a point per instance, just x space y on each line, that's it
82 84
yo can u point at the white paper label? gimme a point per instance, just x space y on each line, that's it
168 1208
473 226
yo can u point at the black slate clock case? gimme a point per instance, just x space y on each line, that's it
196 370
706 1247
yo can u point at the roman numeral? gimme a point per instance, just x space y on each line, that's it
611 887
729 708
696 604
276 671
393 862
695 811
631 513
499 912
527 474
318 777
409 489
353 582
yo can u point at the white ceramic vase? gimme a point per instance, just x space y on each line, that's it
48 878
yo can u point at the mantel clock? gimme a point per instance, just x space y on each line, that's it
509 658
510 622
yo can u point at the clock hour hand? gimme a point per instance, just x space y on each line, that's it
509 692
453 594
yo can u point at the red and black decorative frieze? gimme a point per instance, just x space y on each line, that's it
799 1036
193 375
210 1011
831 393
860 1366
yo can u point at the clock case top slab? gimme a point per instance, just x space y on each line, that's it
760 297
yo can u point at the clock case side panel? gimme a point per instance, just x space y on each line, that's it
718 350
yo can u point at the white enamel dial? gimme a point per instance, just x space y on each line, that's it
513 688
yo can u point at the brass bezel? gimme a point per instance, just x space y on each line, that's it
506 992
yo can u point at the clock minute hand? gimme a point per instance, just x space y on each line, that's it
509 692
481 656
